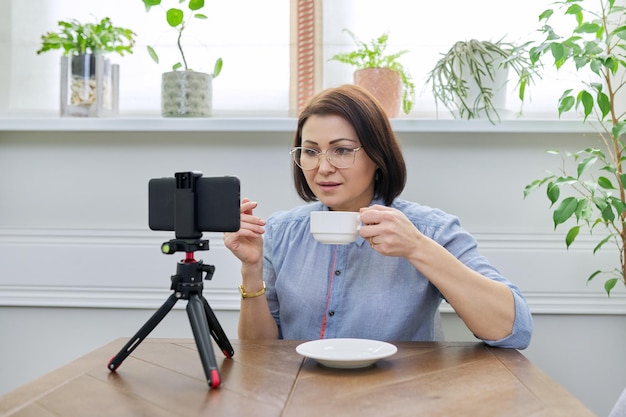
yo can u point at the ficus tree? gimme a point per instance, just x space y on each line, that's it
588 193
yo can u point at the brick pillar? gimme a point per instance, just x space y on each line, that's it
305 52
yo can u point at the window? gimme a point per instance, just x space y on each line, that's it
428 29
253 38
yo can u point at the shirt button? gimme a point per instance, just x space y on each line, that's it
331 313
337 272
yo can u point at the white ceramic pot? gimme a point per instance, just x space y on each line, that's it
186 94
475 99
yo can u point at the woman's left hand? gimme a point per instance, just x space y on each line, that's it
388 231
486 306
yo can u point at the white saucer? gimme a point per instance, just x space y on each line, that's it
346 353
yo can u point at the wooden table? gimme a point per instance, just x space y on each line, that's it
164 377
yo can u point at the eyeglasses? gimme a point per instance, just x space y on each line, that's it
339 157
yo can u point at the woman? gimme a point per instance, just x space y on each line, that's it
389 283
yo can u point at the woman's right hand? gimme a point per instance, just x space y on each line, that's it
247 243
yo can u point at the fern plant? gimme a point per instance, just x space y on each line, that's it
372 55
76 38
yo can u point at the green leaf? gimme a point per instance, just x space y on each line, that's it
607 213
618 204
602 242
596 152
574 9
581 61
592 48
592 276
535 185
582 209
609 168
558 52
611 64
604 104
571 235
217 69
587 101
174 17
196 4
619 129
609 284
150 3
531 187
153 54
546 14
200 16
176 66
522 89
553 192
566 180
565 210
585 164
600 203
587 213
588 28
605 183
596 86
566 104
620 32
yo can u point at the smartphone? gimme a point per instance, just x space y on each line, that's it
204 204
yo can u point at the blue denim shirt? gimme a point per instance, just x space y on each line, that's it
318 291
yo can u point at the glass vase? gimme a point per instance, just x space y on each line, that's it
89 86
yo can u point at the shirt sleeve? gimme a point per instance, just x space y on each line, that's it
522 327
464 247
269 276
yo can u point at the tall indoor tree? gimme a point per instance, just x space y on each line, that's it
589 188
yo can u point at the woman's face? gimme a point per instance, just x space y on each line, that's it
341 189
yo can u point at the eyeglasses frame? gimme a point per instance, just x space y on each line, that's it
319 154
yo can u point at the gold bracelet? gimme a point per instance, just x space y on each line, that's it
245 294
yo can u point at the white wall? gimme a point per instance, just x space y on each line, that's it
79 267
5 53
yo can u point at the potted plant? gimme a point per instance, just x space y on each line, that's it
184 92
383 75
471 78
89 84
589 189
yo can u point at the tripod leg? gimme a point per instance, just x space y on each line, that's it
145 330
216 330
199 326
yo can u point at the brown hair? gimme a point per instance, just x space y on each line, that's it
359 108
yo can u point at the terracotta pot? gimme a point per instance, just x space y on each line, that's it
384 84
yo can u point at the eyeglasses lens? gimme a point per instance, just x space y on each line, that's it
309 159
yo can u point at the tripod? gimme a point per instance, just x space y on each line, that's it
187 284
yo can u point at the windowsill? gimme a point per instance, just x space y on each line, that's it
264 123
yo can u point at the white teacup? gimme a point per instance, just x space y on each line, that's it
335 227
